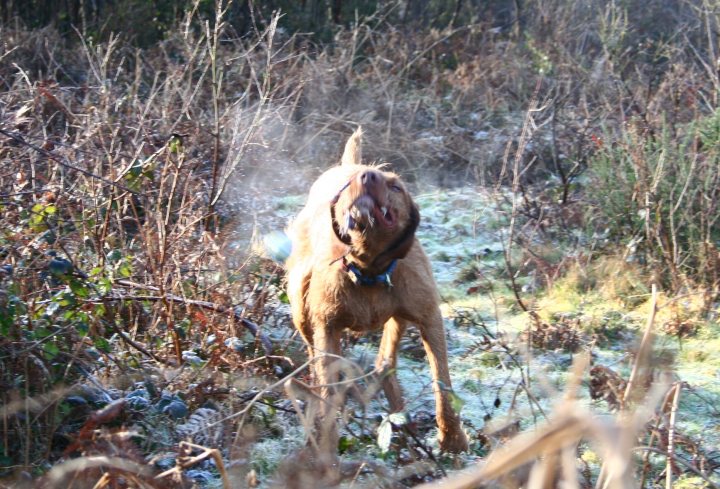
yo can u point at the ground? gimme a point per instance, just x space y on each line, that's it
487 341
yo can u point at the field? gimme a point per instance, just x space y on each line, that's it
565 159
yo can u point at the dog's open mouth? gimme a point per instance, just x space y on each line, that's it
365 212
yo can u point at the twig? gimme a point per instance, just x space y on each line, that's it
428 451
641 361
57 159
58 473
682 462
653 433
644 350
185 462
525 136
257 396
290 378
268 357
213 39
136 345
247 324
671 437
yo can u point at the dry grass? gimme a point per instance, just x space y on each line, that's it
128 177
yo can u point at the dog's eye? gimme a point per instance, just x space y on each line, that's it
395 188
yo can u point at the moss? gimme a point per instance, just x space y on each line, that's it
690 482
700 354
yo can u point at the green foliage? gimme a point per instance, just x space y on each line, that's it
102 268
656 194
145 22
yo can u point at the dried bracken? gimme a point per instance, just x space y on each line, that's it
146 148
563 334
607 385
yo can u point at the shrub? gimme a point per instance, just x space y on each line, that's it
657 195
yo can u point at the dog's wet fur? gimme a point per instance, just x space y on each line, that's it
363 216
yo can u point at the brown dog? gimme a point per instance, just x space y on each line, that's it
356 264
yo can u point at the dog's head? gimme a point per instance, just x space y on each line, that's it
373 212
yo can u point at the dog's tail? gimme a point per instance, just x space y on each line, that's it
353 149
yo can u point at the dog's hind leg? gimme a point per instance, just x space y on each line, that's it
304 327
386 362
326 342
297 287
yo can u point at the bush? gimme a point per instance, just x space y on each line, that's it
657 194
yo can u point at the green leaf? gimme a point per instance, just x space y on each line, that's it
102 344
63 410
79 289
183 327
37 223
456 402
42 332
125 270
82 328
135 169
346 444
175 145
104 285
114 256
49 237
99 310
51 349
60 267
66 298
7 316
39 212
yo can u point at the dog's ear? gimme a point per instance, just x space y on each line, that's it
401 247
340 243
353 149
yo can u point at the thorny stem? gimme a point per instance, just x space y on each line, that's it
264 97
522 143
682 462
216 74
671 437
651 439
60 161
249 325
185 461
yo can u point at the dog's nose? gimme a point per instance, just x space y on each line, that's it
369 178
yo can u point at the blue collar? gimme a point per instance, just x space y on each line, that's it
360 279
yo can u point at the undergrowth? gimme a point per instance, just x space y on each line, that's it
135 184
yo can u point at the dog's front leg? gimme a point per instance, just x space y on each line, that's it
451 435
386 362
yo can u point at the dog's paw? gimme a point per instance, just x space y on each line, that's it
454 441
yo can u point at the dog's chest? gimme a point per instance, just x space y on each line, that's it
363 308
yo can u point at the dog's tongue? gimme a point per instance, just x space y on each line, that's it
383 217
